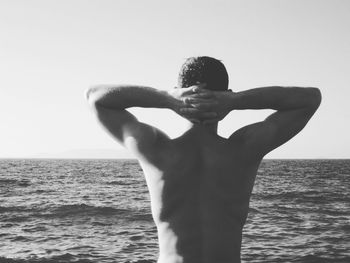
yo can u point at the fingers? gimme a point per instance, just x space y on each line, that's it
204 106
198 87
203 95
192 89
200 103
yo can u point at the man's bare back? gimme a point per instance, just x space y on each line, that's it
200 183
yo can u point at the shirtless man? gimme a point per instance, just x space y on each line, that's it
200 183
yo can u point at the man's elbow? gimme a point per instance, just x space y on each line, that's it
91 95
315 97
87 93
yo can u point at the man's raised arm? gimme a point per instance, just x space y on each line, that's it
294 107
276 98
110 104
120 97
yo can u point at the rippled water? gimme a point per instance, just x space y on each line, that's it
98 211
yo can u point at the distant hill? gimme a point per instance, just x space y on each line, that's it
88 154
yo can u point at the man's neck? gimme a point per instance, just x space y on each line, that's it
211 128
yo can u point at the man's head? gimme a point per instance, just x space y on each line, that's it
203 70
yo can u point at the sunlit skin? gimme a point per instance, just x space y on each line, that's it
200 183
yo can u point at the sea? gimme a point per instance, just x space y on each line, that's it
87 211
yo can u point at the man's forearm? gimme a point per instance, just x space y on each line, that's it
276 98
126 96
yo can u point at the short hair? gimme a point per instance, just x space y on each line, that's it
203 70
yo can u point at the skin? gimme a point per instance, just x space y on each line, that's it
200 183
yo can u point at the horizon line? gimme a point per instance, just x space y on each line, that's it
117 158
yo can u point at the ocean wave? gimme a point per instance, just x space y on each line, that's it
68 258
254 211
4 209
34 229
65 258
63 210
24 183
84 209
141 261
22 239
120 183
14 182
299 196
320 259
77 210
22 214
41 191
8 181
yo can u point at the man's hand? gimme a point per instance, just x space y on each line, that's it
193 103
212 106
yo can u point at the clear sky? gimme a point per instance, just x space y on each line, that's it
51 51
